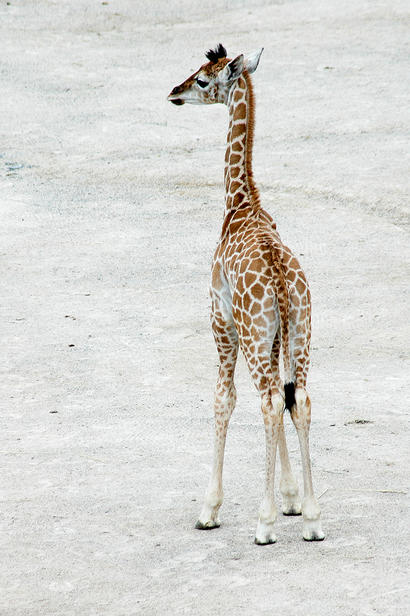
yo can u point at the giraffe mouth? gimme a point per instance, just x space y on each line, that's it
176 101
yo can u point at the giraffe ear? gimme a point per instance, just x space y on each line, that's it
251 61
232 71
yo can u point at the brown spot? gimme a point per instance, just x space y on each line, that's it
242 213
237 147
240 112
231 250
238 130
293 314
249 279
235 172
256 308
235 225
240 286
216 276
286 255
238 95
300 286
234 159
295 300
257 264
259 322
233 187
293 264
245 317
236 313
258 291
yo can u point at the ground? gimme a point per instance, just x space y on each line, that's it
111 205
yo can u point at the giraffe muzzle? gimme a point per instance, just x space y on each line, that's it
173 96
176 101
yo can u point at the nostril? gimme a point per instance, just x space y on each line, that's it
176 90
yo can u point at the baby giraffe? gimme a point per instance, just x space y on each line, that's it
260 302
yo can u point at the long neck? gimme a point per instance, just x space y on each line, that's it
240 189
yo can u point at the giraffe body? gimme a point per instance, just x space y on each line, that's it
260 302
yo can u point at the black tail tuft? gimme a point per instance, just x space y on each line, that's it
289 396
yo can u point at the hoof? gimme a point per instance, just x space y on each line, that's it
314 537
312 531
207 525
269 541
291 504
265 533
294 510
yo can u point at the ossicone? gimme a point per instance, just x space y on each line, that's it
216 54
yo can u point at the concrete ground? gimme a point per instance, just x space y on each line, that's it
111 204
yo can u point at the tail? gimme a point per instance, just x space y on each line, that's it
282 295
290 399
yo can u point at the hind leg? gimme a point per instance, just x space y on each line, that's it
300 332
301 412
291 504
225 398
272 411
258 357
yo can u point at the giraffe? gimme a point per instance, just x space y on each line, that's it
260 303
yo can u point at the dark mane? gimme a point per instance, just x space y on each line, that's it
214 55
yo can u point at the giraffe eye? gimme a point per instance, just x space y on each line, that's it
202 84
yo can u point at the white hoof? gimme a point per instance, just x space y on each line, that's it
208 525
312 530
291 505
209 517
264 533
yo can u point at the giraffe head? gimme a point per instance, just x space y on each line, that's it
214 80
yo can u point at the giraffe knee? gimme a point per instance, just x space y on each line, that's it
273 407
278 403
225 387
301 397
224 404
